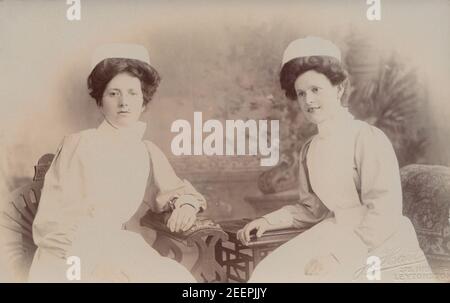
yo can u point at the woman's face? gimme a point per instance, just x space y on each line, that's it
123 101
318 98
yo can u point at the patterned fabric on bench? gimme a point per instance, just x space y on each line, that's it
426 202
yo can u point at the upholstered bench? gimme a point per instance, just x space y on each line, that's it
426 202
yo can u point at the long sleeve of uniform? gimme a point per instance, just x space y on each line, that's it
380 186
54 224
308 211
166 185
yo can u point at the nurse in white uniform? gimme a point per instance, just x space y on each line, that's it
349 184
100 177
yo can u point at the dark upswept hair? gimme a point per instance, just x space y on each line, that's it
331 67
111 67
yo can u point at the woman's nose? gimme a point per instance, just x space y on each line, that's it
123 102
309 99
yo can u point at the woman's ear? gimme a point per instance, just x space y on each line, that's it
341 89
144 107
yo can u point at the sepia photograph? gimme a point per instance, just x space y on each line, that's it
291 141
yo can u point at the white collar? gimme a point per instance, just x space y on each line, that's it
134 131
336 124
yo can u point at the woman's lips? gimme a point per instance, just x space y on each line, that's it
312 109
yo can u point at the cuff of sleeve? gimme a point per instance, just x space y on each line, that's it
280 217
187 200
183 194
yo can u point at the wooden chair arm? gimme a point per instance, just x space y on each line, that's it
204 234
158 222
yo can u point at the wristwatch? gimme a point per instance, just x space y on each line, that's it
173 206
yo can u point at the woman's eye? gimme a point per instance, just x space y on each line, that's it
112 94
301 94
315 90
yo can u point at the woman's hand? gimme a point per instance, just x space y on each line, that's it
108 273
261 225
182 218
321 265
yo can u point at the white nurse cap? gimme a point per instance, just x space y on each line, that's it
120 50
310 46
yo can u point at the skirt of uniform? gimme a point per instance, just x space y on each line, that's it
116 256
399 259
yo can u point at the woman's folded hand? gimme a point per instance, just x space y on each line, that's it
261 225
182 218
321 265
